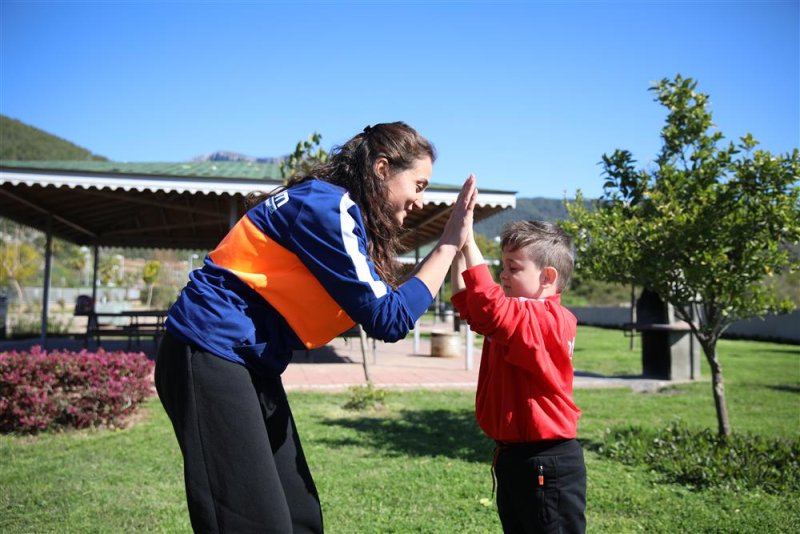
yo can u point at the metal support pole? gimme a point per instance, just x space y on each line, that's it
48 258
416 323
233 213
95 268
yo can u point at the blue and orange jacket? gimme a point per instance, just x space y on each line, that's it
293 273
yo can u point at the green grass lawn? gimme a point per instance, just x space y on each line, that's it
421 464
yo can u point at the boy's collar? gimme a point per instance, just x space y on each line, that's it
556 298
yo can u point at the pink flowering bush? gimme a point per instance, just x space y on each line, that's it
42 390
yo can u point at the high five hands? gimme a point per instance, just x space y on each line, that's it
458 229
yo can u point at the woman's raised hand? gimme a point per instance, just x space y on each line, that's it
433 269
459 226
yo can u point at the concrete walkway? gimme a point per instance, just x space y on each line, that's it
338 365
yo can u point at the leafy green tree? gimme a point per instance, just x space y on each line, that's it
69 263
20 261
586 291
150 274
490 248
307 154
107 270
702 228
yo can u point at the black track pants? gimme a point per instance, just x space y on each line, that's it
541 487
244 466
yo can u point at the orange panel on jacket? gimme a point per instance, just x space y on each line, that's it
282 280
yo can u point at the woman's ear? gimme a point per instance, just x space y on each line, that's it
549 276
381 168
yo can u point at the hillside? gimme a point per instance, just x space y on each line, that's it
18 141
538 209
226 155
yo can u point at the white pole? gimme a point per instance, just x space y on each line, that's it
191 261
470 348
416 337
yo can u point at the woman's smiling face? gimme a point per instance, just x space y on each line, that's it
406 187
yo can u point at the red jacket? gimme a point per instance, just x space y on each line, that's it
525 380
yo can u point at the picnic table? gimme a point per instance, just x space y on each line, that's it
131 324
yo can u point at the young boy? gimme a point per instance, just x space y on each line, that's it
524 398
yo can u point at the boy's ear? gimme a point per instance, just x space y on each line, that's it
549 276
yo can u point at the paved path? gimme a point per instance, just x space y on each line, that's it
338 366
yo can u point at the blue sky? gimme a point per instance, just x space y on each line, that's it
527 95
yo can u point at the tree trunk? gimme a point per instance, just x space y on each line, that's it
718 388
633 317
20 292
364 344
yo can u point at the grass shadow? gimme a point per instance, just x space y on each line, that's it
592 445
784 349
786 388
631 378
324 354
433 433
589 374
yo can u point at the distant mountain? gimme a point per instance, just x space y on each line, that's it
19 141
225 155
532 209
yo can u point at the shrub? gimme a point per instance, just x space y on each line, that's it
30 325
42 390
704 458
364 397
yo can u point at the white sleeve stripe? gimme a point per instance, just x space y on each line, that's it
347 225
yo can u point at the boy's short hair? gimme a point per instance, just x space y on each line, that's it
546 243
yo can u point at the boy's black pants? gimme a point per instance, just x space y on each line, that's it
541 486
244 466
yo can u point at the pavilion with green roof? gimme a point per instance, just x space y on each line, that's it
189 205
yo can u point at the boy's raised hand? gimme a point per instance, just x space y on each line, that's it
458 229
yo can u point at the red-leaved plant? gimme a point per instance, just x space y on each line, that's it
42 390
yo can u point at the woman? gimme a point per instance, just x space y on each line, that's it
303 265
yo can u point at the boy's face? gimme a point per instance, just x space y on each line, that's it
520 276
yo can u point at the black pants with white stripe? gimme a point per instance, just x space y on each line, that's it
244 466
541 486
